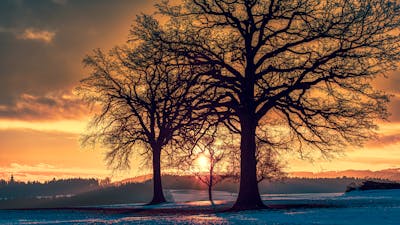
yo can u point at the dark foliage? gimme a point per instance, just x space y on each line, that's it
372 185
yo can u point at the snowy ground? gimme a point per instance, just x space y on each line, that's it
366 208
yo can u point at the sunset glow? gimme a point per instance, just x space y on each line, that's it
203 163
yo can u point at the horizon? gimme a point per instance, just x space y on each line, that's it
359 174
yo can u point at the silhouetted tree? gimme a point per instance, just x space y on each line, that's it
12 181
146 102
307 64
215 173
221 152
269 167
105 182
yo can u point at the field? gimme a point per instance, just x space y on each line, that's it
191 207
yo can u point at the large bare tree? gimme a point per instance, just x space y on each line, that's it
145 103
307 64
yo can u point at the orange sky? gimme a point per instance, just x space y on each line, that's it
42 45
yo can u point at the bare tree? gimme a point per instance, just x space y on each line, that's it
145 102
306 63
211 179
216 164
269 167
222 161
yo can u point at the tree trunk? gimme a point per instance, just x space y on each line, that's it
210 197
211 184
249 196
158 195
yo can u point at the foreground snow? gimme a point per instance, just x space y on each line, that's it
366 208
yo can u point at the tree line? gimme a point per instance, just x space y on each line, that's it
262 76
32 189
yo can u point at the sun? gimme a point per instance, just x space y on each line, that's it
203 163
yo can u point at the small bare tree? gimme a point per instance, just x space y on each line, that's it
220 150
214 157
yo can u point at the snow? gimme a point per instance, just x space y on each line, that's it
199 195
367 208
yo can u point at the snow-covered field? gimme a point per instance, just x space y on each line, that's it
357 208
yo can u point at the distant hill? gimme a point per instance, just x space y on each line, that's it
389 174
122 194
138 179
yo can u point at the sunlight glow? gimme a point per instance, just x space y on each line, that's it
203 163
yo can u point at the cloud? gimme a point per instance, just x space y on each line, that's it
61 105
391 85
385 140
394 108
37 35
29 68
30 33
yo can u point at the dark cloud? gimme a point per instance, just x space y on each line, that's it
37 35
52 106
385 140
42 44
394 108
390 83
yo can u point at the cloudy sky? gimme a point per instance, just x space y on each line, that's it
42 44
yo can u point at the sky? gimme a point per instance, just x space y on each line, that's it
42 44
